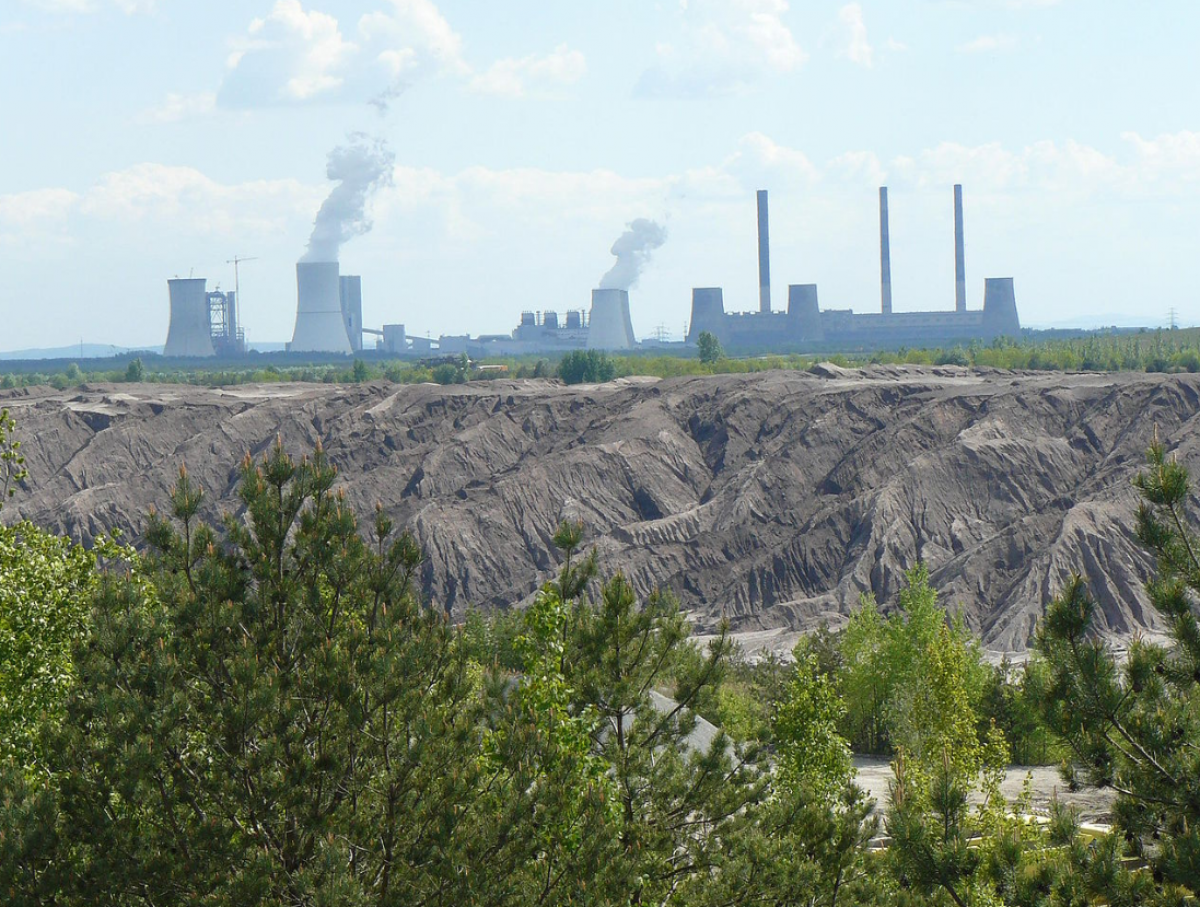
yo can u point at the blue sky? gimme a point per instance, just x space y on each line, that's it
144 139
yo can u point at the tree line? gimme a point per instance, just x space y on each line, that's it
1137 351
263 710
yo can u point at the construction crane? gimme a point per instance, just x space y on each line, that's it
235 261
239 336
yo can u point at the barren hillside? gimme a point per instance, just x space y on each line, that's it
775 499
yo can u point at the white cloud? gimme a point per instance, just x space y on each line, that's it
30 217
987 44
179 107
760 160
857 48
1168 156
291 55
414 35
296 55
723 46
514 78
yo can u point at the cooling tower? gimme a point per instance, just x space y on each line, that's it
190 331
885 253
351 299
708 313
764 255
319 325
805 313
960 255
1000 317
609 324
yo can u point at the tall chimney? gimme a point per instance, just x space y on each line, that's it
764 256
885 252
960 255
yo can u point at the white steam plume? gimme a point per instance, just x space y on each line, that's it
360 167
633 250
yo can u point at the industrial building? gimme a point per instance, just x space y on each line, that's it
805 326
608 325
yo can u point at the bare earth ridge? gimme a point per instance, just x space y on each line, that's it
774 499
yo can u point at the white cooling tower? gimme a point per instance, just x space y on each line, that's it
319 325
190 332
609 324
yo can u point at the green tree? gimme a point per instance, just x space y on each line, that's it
45 584
270 716
812 753
359 372
12 462
135 372
591 366
1133 726
449 373
887 663
797 848
865 679
677 792
709 347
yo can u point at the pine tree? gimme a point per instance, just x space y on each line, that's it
1134 726
269 715
676 794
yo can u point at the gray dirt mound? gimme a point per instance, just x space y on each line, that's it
774 499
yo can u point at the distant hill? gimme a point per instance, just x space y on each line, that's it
77 351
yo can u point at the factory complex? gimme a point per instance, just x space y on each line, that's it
329 314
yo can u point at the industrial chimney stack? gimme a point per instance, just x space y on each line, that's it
960 255
764 255
885 252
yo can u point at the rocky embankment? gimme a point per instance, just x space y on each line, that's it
773 499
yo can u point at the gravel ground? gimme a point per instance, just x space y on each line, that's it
874 775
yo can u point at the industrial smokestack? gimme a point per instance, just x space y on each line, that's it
960 255
190 331
885 253
319 324
633 249
764 255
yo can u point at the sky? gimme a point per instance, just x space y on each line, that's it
147 139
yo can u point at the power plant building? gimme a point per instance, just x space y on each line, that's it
806 326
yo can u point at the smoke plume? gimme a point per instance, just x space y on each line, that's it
360 167
633 249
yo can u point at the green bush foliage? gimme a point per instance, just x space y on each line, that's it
590 366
